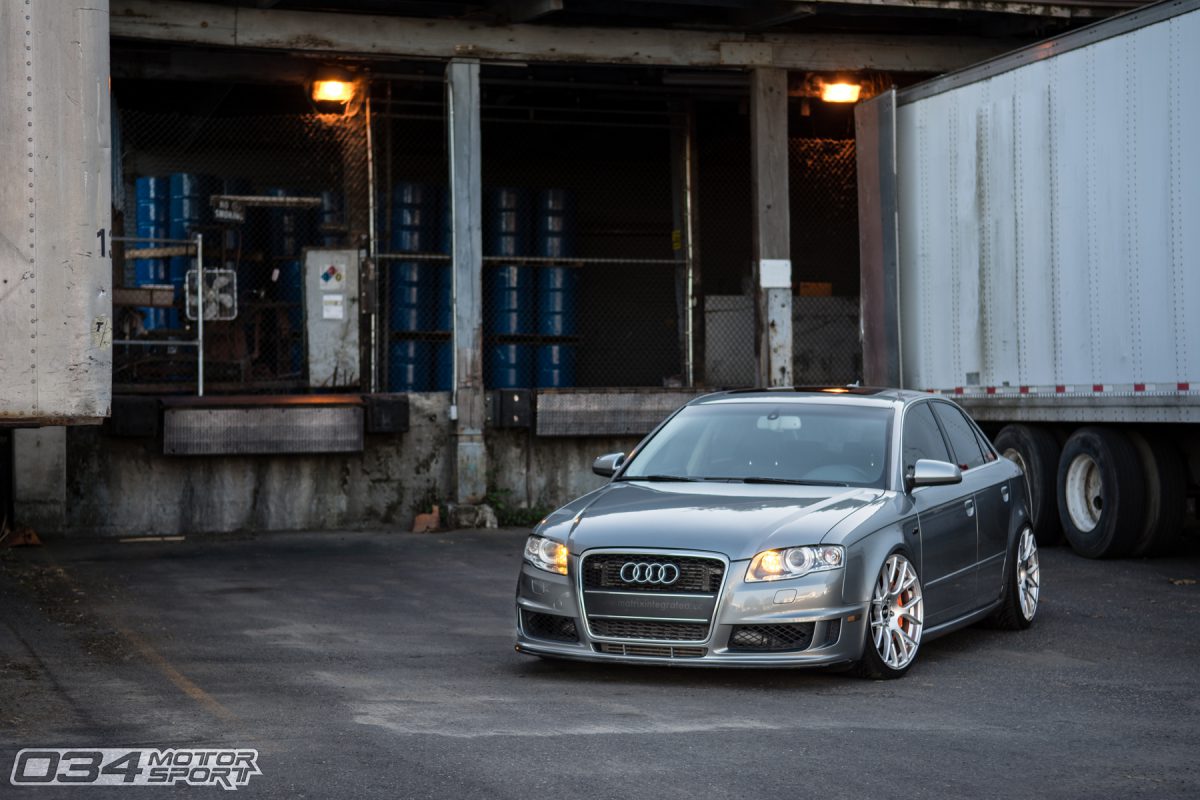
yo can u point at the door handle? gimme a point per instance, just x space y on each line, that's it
970 505
1004 493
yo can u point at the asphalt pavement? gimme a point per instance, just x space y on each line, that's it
382 665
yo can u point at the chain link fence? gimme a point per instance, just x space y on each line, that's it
585 274
823 182
302 181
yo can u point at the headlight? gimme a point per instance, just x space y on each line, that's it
547 555
774 565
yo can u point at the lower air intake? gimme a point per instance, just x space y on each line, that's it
771 638
549 626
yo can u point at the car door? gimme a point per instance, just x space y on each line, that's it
984 476
946 518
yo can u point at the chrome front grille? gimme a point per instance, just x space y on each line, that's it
641 611
696 574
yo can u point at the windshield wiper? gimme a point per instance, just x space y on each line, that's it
659 478
788 481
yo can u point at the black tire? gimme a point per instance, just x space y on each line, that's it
872 666
1037 452
1009 615
1103 518
1166 494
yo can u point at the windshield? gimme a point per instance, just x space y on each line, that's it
815 444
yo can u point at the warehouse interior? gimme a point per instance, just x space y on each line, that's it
596 151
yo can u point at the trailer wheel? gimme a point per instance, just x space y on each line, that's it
1035 450
1101 493
1166 494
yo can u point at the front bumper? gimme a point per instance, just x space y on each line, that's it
837 637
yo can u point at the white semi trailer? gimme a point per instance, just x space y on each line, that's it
55 213
1031 247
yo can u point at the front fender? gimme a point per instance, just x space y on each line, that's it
865 558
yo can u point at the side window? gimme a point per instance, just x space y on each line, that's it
961 434
921 437
989 453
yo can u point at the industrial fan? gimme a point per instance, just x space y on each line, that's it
220 295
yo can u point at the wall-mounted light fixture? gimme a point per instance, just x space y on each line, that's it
838 88
840 92
332 91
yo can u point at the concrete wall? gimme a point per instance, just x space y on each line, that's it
127 487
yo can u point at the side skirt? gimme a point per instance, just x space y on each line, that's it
961 622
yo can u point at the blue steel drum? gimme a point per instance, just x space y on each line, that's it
554 224
509 308
509 366
152 211
413 225
410 284
558 301
150 222
506 223
150 189
443 366
194 209
408 366
191 184
555 366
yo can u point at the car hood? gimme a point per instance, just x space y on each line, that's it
738 520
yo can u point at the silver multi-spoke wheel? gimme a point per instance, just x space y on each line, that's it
1028 574
897 612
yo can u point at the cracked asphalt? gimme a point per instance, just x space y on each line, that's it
381 665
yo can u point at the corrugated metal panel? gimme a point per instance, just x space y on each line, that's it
599 413
55 213
1048 217
252 431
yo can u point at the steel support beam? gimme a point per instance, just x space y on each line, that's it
364 35
772 234
467 408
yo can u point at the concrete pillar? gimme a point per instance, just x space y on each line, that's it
467 408
40 479
772 236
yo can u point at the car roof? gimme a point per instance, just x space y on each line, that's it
851 395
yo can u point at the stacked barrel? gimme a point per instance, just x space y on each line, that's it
557 290
531 311
508 290
412 285
150 220
443 319
189 209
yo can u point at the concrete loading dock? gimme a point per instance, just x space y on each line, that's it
699 105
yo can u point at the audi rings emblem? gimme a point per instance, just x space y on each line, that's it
641 572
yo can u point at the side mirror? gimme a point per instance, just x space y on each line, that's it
605 466
928 472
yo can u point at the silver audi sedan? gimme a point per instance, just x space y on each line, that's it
799 527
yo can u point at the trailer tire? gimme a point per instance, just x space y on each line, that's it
1036 451
1101 493
1166 494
